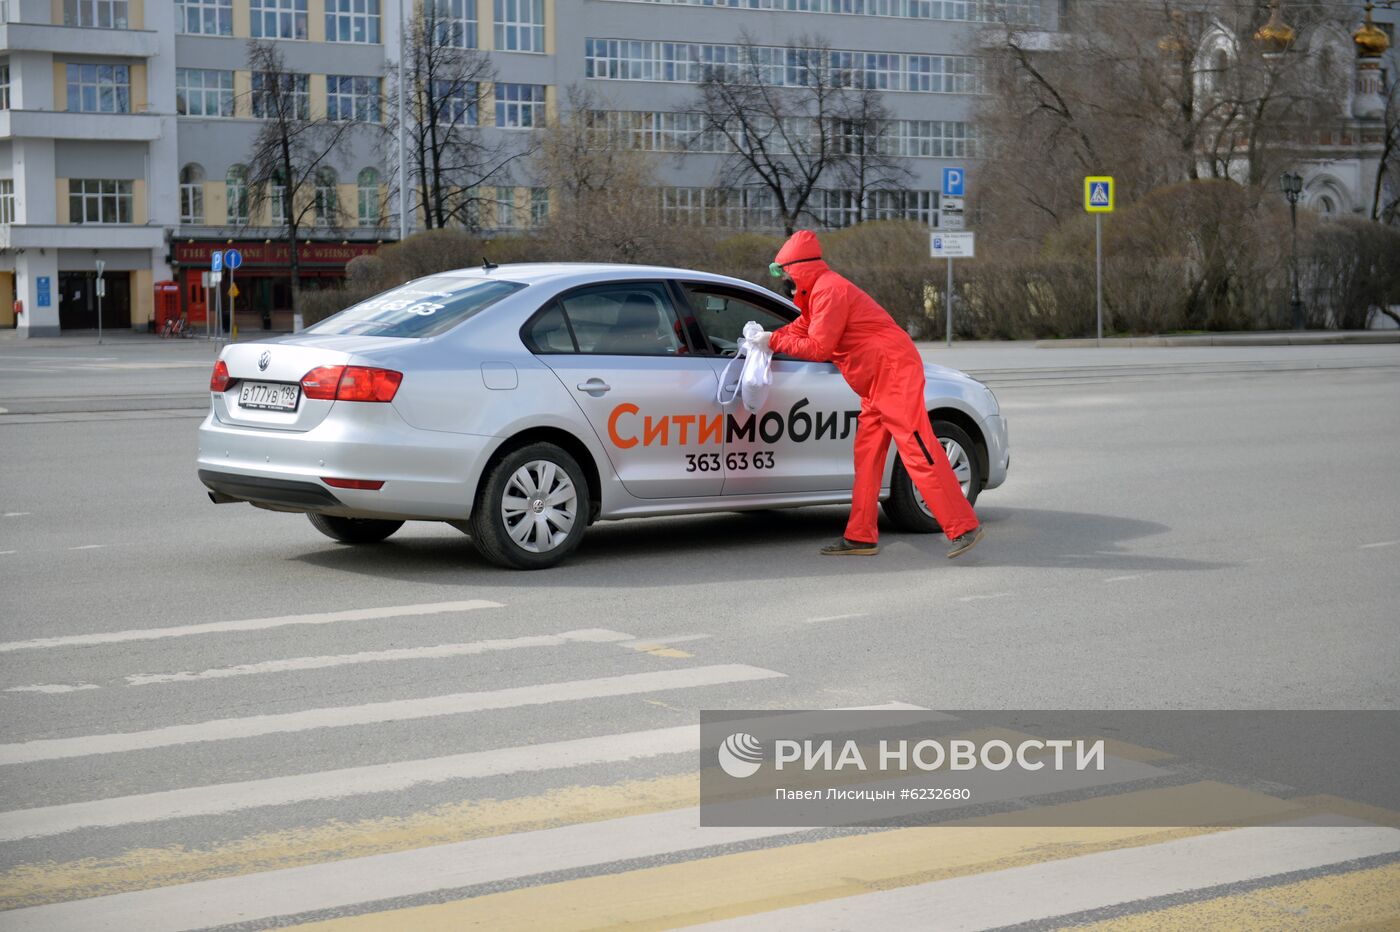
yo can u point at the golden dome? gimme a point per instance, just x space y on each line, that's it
1370 41
1275 35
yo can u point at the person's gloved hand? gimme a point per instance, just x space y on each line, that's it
760 340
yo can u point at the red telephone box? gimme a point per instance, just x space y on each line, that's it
167 300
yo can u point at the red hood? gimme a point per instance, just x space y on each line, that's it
803 249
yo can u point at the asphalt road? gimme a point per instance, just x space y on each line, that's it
1212 528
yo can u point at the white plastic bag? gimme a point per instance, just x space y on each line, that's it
749 374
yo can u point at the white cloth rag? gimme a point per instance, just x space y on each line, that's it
748 376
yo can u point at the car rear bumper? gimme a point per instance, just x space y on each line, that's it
426 474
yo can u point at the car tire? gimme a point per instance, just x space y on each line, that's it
354 530
905 507
519 518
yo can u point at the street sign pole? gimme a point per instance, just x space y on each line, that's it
101 290
949 311
1098 274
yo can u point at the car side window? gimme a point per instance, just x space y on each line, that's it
549 332
624 319
722 313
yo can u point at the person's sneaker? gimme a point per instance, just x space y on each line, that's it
961 545
850 548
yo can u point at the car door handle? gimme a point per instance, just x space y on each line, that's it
595 387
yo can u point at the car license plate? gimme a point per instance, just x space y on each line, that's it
270 396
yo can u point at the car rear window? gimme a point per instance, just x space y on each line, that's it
421 308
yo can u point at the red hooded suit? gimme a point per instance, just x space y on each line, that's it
843 325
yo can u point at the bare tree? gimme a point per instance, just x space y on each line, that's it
781 121
1385 196
870 163
605 205
450 157
290 170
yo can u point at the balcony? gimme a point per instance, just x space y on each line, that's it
110 127
78 40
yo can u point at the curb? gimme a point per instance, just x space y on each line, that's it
1274 338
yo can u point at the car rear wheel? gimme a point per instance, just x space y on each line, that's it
532 509
906 508
354 530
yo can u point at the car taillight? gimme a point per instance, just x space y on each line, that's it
219 381
351 383
363 384
321 382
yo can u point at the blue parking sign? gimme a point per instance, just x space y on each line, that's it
216 262
953 179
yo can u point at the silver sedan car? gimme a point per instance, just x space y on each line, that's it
522 403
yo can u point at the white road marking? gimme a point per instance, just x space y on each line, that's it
593 635
974 598
1123 578
1384 543
372 713
224 798
675 639
251 624
4 553
813 621
53 688
15 514
89 547
4 410
1039 892
259 897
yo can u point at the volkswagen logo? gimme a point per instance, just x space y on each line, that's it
264 360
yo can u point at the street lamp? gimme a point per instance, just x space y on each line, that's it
1292 185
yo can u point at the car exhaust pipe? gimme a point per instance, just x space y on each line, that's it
219 498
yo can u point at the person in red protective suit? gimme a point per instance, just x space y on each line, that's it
844 325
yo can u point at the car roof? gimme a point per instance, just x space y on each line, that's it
568 274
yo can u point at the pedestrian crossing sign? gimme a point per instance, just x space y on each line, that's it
1098 194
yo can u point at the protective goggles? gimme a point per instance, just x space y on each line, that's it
776 270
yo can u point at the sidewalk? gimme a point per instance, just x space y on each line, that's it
1261 338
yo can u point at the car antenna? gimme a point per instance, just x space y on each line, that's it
487 265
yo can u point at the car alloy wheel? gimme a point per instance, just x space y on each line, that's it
960 460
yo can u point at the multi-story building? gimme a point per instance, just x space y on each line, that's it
125 125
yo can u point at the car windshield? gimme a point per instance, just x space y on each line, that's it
421 308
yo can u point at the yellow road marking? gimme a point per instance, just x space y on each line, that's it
660 650
776 878
144 868
1364 899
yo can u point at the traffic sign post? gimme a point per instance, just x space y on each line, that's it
1098 200
233 259
101 288
951 246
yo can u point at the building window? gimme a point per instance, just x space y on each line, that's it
452 22
7 200
520 25
103 14
99 88
326 200
289 99
277 200
4 85
505 207
367 195
204 17
519 106
352 21
455 102
192 195
351 97
92 200
539 206
278 19
236 191
201 92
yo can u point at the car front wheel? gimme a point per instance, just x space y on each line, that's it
906 507
354 530
532 509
